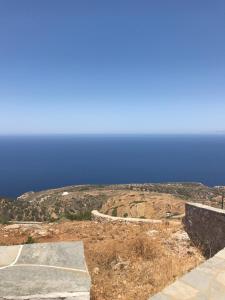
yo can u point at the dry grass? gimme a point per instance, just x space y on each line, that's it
143 247
136 268
143 204
126 261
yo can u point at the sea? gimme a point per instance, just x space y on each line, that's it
33 163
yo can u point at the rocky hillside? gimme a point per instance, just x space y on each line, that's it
71 202
189 191
136 200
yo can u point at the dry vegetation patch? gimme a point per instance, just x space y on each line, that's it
126 261
138 204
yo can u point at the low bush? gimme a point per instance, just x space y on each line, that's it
81 215
4 219
114 212
30 240
143 247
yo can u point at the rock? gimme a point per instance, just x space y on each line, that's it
152 232
65 193
41 233
96 270
181 236
120 265
13 226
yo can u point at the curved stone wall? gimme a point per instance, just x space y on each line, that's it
97 216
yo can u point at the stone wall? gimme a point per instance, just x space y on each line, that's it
97 216
206 226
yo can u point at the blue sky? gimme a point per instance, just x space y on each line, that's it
79 66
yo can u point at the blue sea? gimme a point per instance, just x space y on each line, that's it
41 162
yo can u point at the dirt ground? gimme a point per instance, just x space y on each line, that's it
125 261
143 204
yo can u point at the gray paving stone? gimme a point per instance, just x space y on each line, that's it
45 271
199 297
221 254
180 290
217 291
38 280
212 265
198 280
161 296
221 278
66 254
214 262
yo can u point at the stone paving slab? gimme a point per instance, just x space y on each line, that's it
8 255
44 271
66 254
206 282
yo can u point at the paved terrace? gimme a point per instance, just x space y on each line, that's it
44 271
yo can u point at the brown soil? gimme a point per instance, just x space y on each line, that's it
143 204
126 261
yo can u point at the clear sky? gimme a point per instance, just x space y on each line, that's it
121 66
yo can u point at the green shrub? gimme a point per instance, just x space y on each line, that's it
4 219
29 240
138 201
81 215
114 212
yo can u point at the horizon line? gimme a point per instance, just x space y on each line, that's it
114 134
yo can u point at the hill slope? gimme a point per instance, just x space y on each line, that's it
136 200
